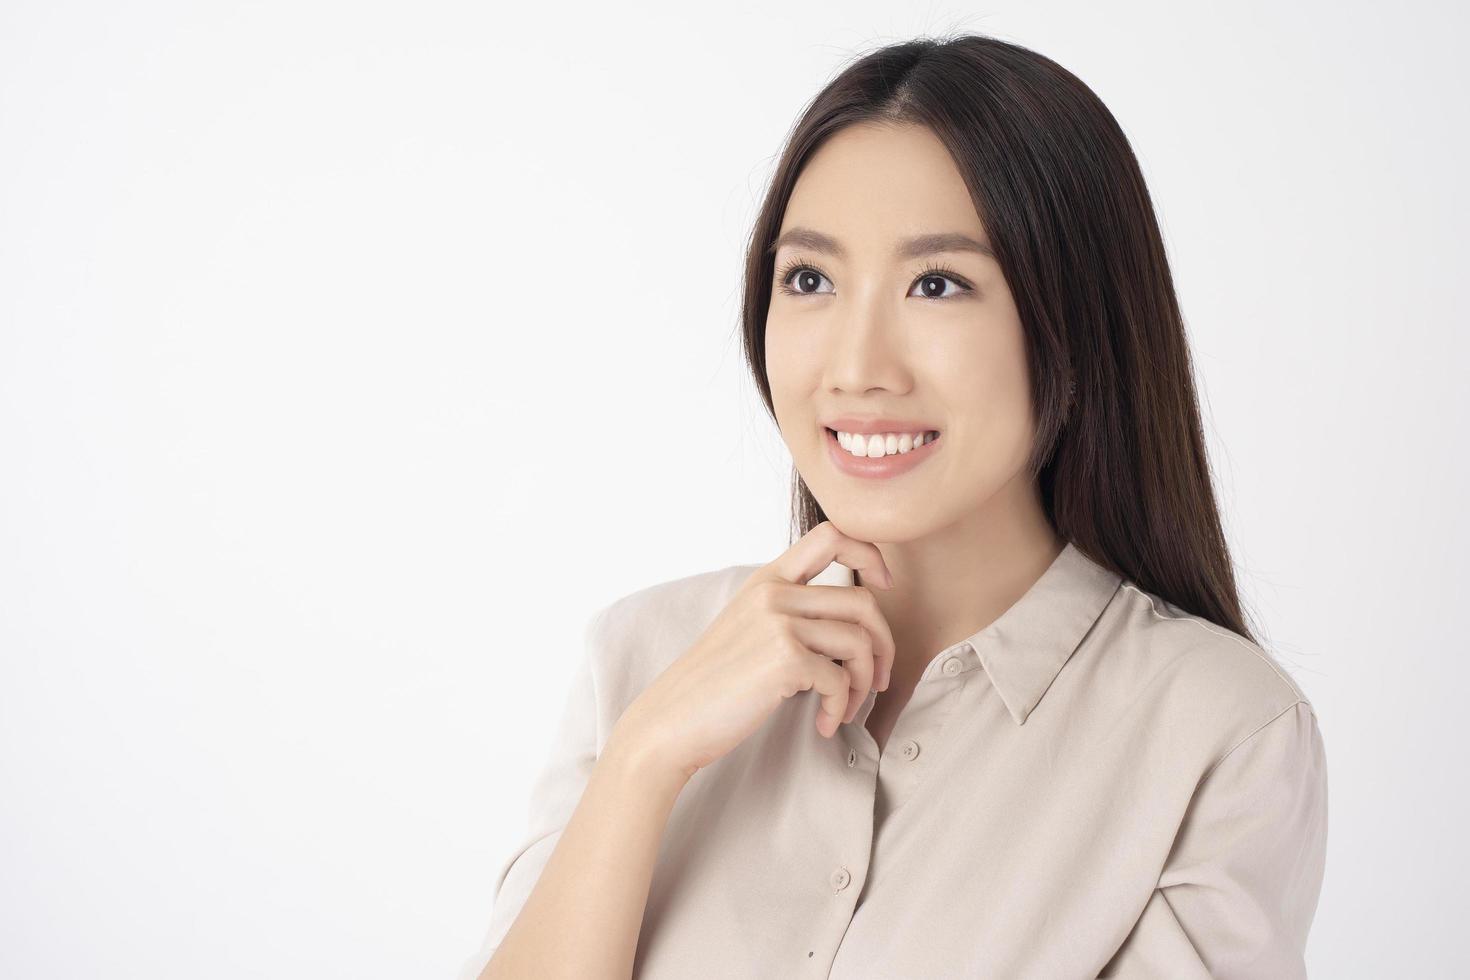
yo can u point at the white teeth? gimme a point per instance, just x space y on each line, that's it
883 443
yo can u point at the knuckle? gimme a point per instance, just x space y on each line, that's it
787 650
765 594
793 678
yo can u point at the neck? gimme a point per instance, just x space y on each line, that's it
961 578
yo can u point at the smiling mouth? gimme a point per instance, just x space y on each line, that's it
865 446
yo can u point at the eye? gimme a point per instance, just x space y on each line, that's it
805 275
801 278
937 278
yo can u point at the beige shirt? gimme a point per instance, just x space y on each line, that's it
1096 784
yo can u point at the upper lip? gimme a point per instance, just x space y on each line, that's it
871 426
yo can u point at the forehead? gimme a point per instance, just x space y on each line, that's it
871 183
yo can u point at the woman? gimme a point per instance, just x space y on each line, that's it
1042 742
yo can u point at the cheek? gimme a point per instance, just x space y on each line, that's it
1004 432
791 366
779 377
991 400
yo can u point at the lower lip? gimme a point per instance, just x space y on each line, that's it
880 467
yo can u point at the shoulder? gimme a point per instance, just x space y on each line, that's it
672 602
1211 680
637 635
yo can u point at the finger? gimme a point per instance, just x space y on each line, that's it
853 604
830 681
850 643
821 546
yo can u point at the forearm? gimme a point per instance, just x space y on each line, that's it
583 917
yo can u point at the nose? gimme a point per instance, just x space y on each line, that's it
865 349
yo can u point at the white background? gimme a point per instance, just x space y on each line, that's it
352 354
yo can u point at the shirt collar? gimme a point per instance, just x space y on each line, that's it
1023 651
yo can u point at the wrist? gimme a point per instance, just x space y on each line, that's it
639 760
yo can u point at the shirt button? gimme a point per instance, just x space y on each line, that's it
851 758
953 666
840 878
909 749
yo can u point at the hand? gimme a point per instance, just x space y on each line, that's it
773 639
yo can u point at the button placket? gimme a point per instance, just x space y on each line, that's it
927 715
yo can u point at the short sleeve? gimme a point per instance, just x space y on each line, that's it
1239 890
554 794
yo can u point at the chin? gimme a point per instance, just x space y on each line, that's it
880 524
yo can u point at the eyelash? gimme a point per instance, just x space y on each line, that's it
938 269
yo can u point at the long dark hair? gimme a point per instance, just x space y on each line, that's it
1121 462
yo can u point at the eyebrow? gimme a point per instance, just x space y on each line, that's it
908 248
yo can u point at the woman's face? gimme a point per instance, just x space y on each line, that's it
870 334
